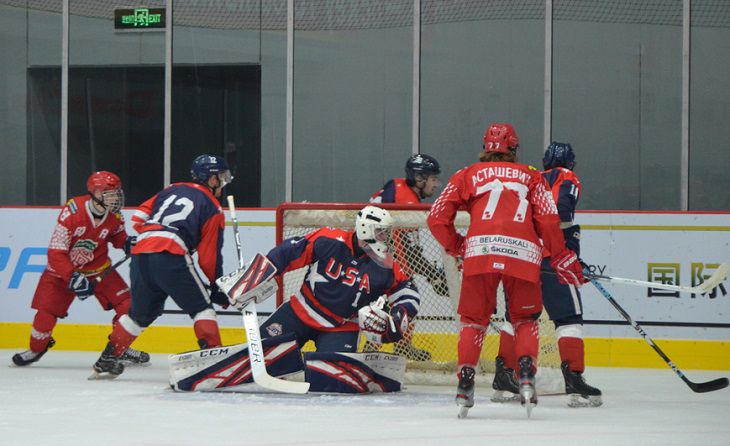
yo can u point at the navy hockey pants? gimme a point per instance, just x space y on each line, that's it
154 276
284 321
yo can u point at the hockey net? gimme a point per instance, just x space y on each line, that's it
435 335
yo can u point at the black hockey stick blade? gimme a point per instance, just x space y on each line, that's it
709 386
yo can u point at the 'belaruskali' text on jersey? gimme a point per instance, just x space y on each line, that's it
182 219
338 283
78 243
511 209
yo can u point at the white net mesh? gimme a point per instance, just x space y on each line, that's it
431 347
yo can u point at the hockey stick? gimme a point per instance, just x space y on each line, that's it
253 333
709 386
111 269
711 282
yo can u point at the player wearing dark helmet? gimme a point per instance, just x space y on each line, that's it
421 182
180 220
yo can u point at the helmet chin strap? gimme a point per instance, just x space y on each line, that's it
98 202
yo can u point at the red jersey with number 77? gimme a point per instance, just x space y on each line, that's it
511 209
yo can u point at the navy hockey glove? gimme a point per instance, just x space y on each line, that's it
220 298
397 325
81 285
129 243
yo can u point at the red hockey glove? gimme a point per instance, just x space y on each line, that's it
568 268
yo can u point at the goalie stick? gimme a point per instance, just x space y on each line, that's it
253 332
709 386
711 282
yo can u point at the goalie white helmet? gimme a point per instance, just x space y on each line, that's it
372 226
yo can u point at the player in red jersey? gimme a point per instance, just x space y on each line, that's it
77 255
562 302
182 219
421 181
511 209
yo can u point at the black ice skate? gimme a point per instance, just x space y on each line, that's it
465 391
411 353
29 356
528 395
580 394
107 366
504 381
132 357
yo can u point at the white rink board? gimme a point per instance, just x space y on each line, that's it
634 241
18 277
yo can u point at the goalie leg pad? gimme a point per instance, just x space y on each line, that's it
219 369
354 372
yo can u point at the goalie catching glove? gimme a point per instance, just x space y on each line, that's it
380 326
252 282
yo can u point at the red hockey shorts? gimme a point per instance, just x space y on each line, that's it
53 296
479 298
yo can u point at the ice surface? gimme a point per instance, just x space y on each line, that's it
52 403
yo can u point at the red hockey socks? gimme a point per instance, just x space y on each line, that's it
471 339
572 351
207 331
507 346
526 339
124 333
120 310
40 334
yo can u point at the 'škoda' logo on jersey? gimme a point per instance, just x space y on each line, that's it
82 252
350 275
670 274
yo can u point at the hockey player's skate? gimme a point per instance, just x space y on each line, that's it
528 395
580 394
411 353
107 366
29 356
132 357
504 381
465 391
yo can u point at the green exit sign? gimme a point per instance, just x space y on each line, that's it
139 19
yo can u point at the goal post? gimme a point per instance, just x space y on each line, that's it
435 274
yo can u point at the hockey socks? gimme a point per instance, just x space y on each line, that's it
40 334
526 339
507 346
570 344
471 339
206 329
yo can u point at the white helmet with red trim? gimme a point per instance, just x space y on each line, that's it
372 227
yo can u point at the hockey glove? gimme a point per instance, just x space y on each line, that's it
378 326
256 281
129 243
459 248
81 285
219 297
568 268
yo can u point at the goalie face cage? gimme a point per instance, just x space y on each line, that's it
436 328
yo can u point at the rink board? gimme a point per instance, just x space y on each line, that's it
681 247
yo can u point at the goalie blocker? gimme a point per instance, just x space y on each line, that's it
252 282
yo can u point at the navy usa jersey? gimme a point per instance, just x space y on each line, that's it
182 219
566 189
340 281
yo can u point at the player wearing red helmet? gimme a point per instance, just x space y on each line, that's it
511 210
77 255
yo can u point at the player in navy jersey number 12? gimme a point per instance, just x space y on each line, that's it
182 219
